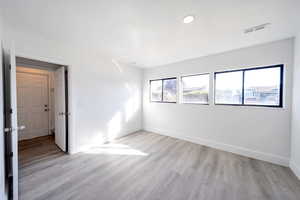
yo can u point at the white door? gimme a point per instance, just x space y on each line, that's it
33 104
60 108
11 124
14 120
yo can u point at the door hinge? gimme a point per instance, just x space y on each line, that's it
11 154
10 111
10 66
10 175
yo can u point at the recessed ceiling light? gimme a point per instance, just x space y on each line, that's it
188 19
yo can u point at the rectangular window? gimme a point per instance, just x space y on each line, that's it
250 87
262 87
163 90
229 87
170 90
195 89
156 90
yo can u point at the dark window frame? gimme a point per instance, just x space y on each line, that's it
162 90
181 88
280 105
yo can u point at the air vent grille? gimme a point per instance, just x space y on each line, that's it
256 28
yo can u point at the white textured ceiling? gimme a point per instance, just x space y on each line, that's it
151 32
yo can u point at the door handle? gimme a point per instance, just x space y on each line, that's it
20 128
6 130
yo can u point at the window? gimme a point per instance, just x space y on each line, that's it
250 87
229 87
163 90
169 90
262 87
195 89
156 90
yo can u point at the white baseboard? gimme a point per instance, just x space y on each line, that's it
279 160
295 168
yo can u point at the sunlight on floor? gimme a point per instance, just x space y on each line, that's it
115 149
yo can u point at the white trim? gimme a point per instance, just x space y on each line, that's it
295 168
279 160
72 148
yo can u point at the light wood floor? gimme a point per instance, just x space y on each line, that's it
147 166
37 149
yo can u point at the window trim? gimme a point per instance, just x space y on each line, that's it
162 90
280 105
181 89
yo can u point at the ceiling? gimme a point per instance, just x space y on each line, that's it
150 32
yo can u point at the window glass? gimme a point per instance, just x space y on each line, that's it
195 89
229 86
156 90
169 90
262 86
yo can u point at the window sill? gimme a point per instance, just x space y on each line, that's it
204 104
163 102
251 106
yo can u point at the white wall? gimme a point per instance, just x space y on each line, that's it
258 132
295 150
105 97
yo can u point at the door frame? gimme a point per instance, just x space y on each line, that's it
70 137
67 107
50 103
8 156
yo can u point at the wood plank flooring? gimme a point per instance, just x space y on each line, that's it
34 150
147 166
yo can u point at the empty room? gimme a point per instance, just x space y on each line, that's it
150 100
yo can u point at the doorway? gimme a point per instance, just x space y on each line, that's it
36 114
41 108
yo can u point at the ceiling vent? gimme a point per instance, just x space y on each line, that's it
256 28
